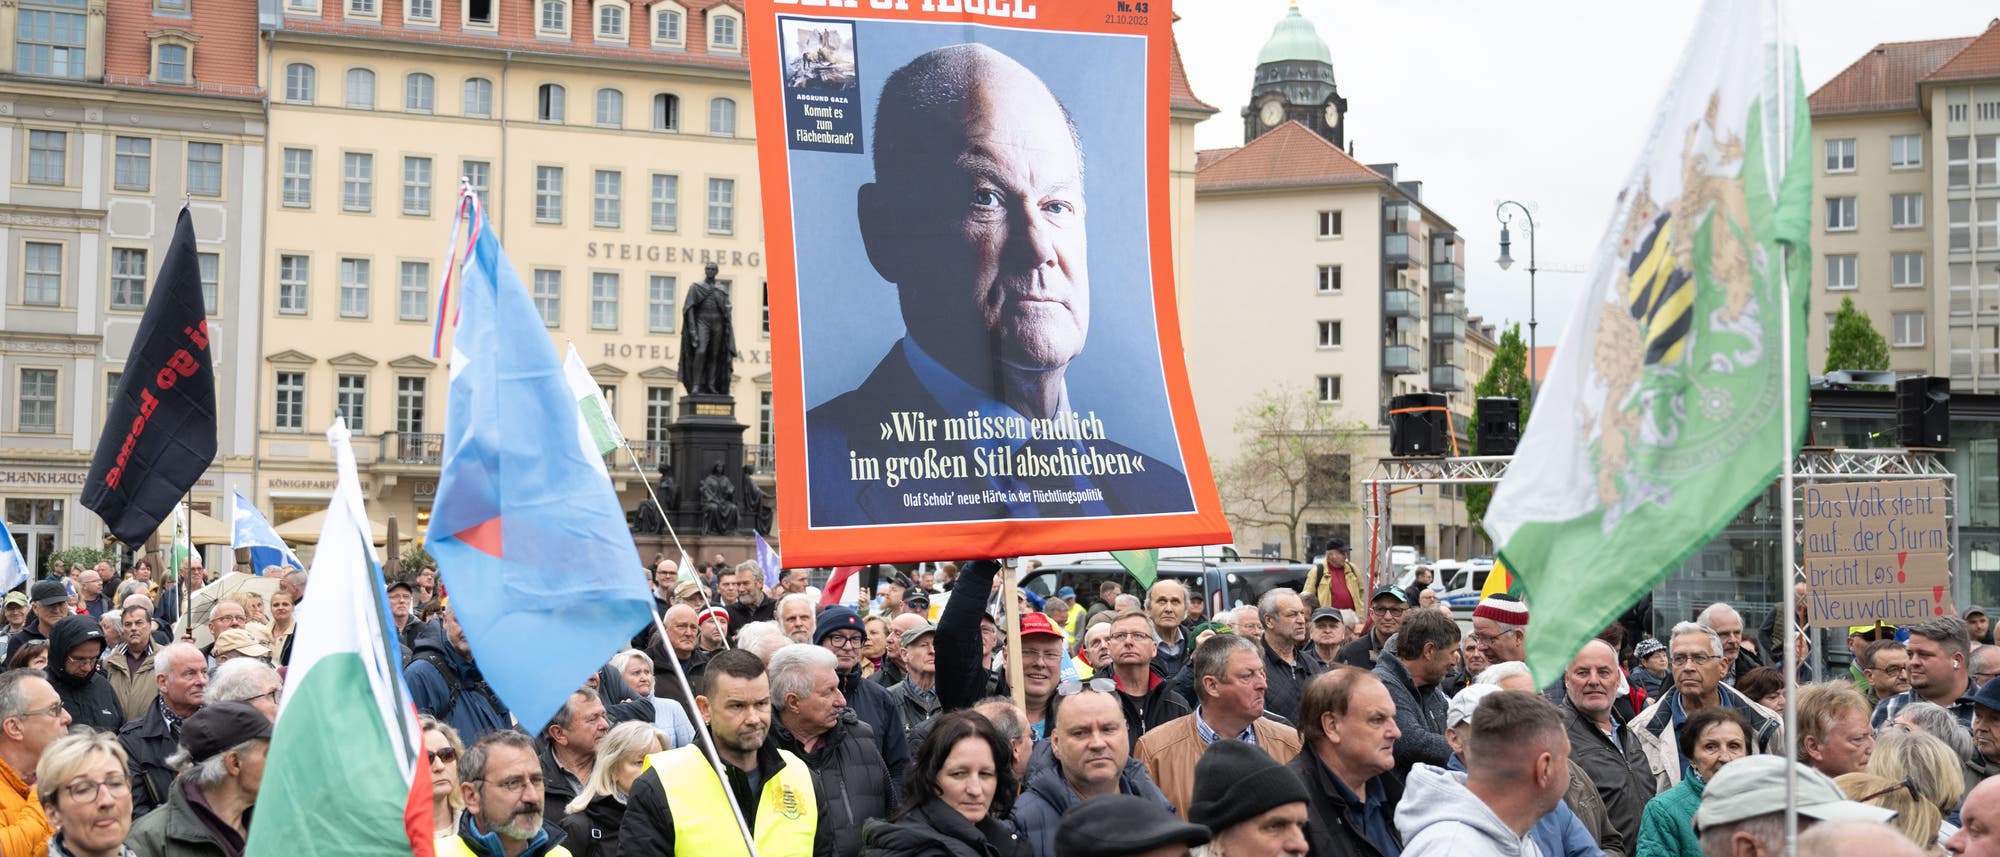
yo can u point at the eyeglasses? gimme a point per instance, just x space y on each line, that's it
87 789
1684 659
517 784
842 641
1490 639
1907 783
271 695
1130 637
1388 611
1041 657
1072 687
79 660
446 755
51 711
1904 670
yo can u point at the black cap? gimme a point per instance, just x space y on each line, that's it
1235 782
1328 613
49 592
219 726
402 584
1391 592
1121 824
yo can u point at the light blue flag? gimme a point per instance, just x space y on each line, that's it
768 558
249 529
13 569
538 562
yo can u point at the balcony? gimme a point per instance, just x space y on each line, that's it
1402 303
1401 360
1446 378
649 452
1447 276
1447 328
1398 250
413 448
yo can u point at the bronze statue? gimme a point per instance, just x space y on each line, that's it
756 504
669 490
718 503
708 339
647 520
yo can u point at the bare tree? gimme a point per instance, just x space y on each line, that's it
1296 463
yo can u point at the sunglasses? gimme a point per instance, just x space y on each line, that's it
1071 687
446 755
1907 783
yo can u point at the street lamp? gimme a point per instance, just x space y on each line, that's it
1506 261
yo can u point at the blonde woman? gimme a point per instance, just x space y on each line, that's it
1929 764
442 749
81 782
252 604
1915 818
594 816
281 621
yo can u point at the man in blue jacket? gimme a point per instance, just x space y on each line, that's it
446 684
1089 759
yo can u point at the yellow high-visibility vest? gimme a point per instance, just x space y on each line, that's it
786 815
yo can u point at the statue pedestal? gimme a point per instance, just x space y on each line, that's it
704 434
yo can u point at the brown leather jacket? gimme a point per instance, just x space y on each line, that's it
1170 751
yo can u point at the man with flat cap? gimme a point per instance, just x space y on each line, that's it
221 759
977 216
1121 825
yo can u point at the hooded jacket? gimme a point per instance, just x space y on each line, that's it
1561 832
1440 817
89 700
622 703
1048 797
474 712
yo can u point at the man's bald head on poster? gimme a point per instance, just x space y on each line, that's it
977 215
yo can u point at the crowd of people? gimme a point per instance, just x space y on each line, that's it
1333 722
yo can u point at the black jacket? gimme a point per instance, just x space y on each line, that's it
556 789
961 661
148 743
1333 828
621 702
849 777
178 830
936 830
873 705
594 831
1621 772
1420 714
28 634
1361 652
90 700
1285 684
648 827
1159 704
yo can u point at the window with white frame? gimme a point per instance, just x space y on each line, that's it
1839 213
38 400
668 26
552 19
603 300
350 401
298 179
1329 279
419 92
111 389
420 11
204 169
413 292
133 164
478 98
476 175
722 117
547 292
1989 223
660 316
1841 272
1958 225
1908 329
548 194
549 102
1958 162
48 157
1329 334
1906 151
171 62
1986 160
50 38
357 181
1840 155
721 206
666 202
607 199
294 273
354 279
41 273
1329 224
363 9
666 112
1906 270
289 400
724 30
307 7
410 395
1329 389
659 412
479 14
360 89
210 266
610 108
300 80
1906 210
610 22
128 278
417 186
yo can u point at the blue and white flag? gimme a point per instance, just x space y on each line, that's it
13 569
249 529
768 558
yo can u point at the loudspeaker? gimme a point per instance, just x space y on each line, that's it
1923 411
1499 428
1421 430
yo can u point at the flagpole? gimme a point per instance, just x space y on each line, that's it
706 604
1787 545
708 742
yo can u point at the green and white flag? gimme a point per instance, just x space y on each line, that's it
597 428
1662 414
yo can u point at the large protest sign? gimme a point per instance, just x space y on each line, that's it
972 305
1876 551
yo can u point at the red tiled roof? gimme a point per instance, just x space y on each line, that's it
1885 78
1180 95
225 56
1208 156
1977 60
1290 155
517 31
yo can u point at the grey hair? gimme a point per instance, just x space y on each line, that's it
1949 632
1938 722
472 762
1708 614
1501 671
209 772
1211 658
618 661
797 597
1768 829
238 679
762 639
1267 606
749 565
1005 716
793 668
1714 639
1238 613
14 698
126 590
138 599
1126 601
163 663
567 713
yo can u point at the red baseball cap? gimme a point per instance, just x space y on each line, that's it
1038 623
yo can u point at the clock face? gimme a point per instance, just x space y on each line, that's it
1333 116
1272 113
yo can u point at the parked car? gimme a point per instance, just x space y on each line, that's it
1462 592
1219 585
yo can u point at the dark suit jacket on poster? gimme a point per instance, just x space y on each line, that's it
853 421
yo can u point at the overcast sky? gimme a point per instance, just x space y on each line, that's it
1543 102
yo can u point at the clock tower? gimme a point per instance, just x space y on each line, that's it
1295 81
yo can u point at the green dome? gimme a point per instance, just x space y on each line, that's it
1294 39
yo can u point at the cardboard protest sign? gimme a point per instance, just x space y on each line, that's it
1876 551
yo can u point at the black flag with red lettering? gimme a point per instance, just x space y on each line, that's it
160 435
